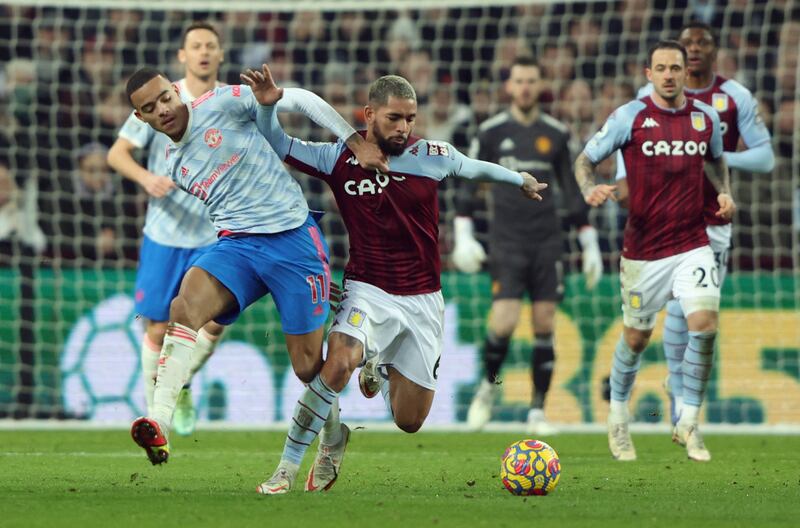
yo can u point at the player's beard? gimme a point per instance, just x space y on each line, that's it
390 148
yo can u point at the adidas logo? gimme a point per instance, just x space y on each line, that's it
649 122
507 144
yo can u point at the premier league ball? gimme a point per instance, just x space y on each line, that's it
530 467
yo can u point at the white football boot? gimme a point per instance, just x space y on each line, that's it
369 381
480 410
281 481
687 434
538 424
325 471
620 442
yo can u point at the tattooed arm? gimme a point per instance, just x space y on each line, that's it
594 194
717 173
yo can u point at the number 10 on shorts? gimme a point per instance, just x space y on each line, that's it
319 288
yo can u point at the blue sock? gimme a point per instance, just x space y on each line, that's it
697 364
387 397
623 371
310 413
675 340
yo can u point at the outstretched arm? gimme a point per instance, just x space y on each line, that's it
478 170
315 108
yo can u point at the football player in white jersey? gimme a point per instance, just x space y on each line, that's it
268 241
177 228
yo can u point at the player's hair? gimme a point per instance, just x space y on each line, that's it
390 86
139 79
667 44
525 60
199 24
699 24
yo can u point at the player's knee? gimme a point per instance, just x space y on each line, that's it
180 311
408 424
156 332
702 321
637 341
502 328
337 370
305 372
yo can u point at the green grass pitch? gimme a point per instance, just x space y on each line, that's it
90 478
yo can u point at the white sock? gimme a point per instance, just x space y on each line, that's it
618 412
689 413
173 370
332 430
149 355
206 343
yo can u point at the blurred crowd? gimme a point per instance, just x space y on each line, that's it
62 99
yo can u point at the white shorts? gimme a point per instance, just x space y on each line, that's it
720 239
403 331
691 277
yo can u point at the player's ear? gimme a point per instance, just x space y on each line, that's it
138 115
182 56
369 114
649 73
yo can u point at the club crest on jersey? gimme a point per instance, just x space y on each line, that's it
543 144
635 300
356 317
698 121
213 137
719 101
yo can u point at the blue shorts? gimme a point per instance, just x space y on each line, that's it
161 269
292 266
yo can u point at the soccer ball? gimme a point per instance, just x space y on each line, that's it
530 467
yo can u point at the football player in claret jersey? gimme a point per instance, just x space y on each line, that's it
739 119
268 242
177 228
667 141
391 315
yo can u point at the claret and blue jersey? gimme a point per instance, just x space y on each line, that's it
392 219
739 119
664 151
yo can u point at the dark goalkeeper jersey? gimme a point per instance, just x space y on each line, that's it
542 150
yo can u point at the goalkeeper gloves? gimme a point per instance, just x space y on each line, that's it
592 260
468 254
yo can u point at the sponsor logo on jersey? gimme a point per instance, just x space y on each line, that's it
352 161
649 122
436 148
719 101
414 150
356 317
368 186
698 121
635 300
213 137
543 144
200 189
674 148
507 144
